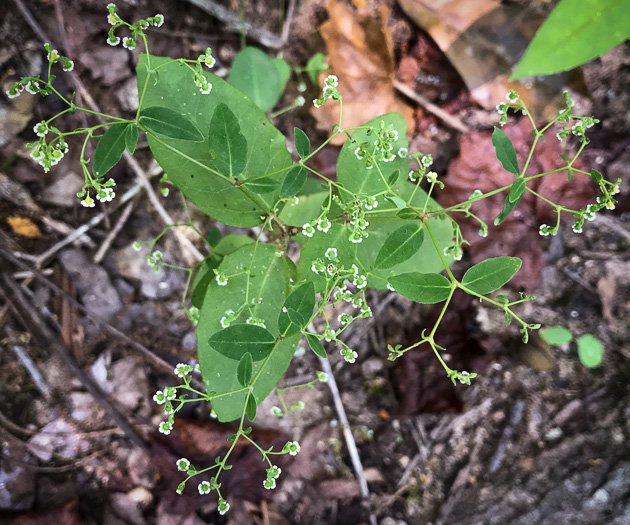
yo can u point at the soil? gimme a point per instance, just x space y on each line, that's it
538 439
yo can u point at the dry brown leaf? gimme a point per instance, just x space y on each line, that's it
360 53
24 227
478 168
483 40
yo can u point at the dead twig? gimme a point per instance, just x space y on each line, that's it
47 338
232 23
347 432
153 358
98 257
444 116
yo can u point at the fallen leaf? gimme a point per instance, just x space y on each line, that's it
24 227
478 168
360 53
484 40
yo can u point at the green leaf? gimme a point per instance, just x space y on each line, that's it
590 351
517 190
237 340
255 74
131 138
315 65
258 284
575 32
424 288
596 176
299 308
190 166
293 182
230 243
491 274
204 277
400 245
316 345
302 143
245 369
110 148
556 335
214 236
393 177
396 201
505 151
250 407
262 186
355 177
170 123
228 146
564 158
284 71
516 193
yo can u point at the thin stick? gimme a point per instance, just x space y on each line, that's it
286 27
446 117
347 432
232 23
19 304
98 257
27 363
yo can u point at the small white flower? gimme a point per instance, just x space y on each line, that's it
14 91
356 237
88 202
224 506
182 370
182 464
576 229
205 88
359 153
426 160
32 87
221 279
615 189
317 102
544 230
331 253
370 203
512 96
292 447
331 80
113 40
323 224
204 488
360 281
159 21
308 230
269 484
129 43
159 397
432 176
413 176
225 322
322 376
390 288
403 152
274 472
350 356
137 246
68 66
165 427
40 129
610 205
276 411
328 334
53 55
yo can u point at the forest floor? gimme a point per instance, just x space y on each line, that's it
89 333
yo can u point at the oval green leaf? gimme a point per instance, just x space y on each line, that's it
293 182
424 288
400 246
110 148
245 369
228 146
131 138
302 143
590 351
169 123
575 32
297 308
262 185
255 74
251 406
491 274
316 346
556 335
237 340
505 151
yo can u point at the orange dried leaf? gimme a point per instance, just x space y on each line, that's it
360 53
24 227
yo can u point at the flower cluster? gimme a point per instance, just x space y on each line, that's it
424 161
382 147
104 193
129 42
329 91
513 101
273 473
48 154
153 259
228 318
463 377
